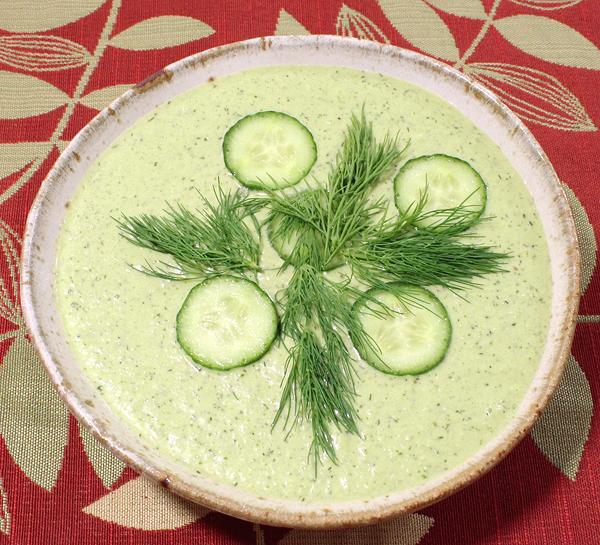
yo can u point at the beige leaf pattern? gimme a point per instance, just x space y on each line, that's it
549 40
14 157
25 96
586 236
37 15
287 25
10 308
547 4
100 98
534 95
562 430
4 512
161 32
62 145
40 53
106 465
353 23
34 422
422 27
145 505
473 9
406 530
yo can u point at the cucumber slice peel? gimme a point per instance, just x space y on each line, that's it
269 150
226 322
410 337
447 182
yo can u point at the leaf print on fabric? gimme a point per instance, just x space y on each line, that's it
562 430
287 25
145 505
419 24
587 239
25 96
62 145
353 23
534 95
406 530
40 53
10 308
4 512
106 465
14 157
547 4
161 32
34 422
473 9
100 98
37 15
549 40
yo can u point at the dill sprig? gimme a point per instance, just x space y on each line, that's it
435 255
360 164
317 315
297 221
215 240
319 382
323 221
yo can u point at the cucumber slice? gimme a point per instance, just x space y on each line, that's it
226 322
449 182
413 336
269 150
285 233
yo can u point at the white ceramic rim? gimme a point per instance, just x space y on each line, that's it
476 102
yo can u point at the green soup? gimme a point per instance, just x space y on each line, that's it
121 324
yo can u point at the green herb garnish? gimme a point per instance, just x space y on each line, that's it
335 222
216 240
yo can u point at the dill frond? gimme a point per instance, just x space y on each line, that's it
320 378
437 255
359 165
214 240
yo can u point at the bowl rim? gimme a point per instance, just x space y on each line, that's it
227 499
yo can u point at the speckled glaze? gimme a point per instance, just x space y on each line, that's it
475 103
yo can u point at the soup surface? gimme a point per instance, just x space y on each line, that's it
121 324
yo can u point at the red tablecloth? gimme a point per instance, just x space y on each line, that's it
63 60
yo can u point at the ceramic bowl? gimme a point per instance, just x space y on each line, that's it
474 101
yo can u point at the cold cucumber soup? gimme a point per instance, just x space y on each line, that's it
121 324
